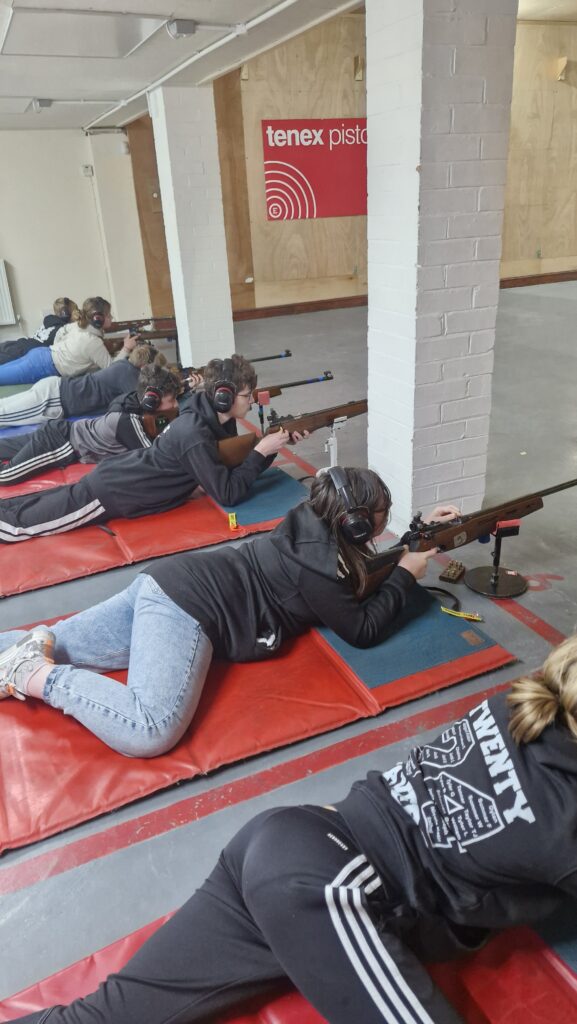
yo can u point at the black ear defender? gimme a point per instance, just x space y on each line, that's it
151 399
355 521
224 392
97 320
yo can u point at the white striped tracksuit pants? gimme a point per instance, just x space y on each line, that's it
55 510
292 898
48 447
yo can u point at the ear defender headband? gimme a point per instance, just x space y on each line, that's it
224 392
355 522
151 399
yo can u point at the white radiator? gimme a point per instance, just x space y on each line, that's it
7 314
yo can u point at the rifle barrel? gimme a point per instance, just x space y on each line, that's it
294 383
262 359
559 487
524 497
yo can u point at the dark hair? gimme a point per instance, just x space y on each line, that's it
89 307
242 375
368 491
153 376
64 308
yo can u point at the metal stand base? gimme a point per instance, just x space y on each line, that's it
501 582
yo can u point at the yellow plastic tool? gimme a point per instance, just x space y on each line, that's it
471 616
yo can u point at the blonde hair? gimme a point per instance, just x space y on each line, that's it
549 696
144 353
89 307
64 307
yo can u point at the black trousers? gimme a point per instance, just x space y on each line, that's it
43 449
16 348
57 510
290 897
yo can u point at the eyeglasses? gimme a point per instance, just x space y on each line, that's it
244 394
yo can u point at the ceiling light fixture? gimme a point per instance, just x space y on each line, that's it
38 105
180 28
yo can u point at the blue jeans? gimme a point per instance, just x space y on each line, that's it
32 367
167 655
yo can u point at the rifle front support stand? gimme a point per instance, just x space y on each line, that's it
331 443
496 580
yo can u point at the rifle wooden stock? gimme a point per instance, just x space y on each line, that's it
234 450
457 533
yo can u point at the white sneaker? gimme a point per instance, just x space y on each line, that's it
17 661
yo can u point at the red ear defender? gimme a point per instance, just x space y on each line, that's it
355 522
224 392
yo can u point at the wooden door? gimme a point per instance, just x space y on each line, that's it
149 204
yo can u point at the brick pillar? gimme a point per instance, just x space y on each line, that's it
439 79
189 174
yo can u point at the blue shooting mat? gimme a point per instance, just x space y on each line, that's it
425 649
271 496
27 428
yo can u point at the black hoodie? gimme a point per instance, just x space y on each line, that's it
471 827
182 458
248 599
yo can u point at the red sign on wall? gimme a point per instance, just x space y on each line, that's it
315 168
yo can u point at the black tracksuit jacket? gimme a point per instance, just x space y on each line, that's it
182 458
472 831
249 598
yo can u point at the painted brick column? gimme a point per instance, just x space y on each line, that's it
439 80
188 169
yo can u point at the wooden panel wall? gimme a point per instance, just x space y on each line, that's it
148 201
309 76
232 158
540 225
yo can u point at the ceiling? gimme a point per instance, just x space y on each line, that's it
68 65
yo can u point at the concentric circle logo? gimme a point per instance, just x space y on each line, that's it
289 193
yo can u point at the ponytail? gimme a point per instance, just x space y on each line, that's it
550 696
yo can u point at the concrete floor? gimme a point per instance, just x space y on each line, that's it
69 913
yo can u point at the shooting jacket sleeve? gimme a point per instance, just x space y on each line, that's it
360 623
227 486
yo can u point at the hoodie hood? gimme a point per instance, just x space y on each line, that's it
306 540
199 404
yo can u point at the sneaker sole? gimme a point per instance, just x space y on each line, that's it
45 634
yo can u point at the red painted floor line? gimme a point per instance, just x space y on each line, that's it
519 612
129 833
529 619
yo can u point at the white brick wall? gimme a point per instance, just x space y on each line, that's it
189 174
465 65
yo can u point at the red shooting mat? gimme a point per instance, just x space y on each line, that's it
55 774
45 561
515 979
